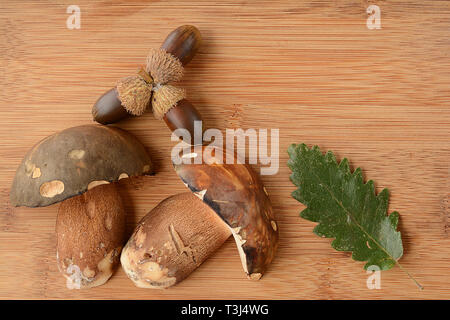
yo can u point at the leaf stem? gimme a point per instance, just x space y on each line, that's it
409 275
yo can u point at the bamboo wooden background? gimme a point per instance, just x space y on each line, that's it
310 68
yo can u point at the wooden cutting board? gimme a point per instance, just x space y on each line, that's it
312 69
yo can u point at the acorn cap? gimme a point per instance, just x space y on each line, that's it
75 160
237 195
134 93
164 98
163 66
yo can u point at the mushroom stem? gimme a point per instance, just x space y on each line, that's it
171 241
183 43
90 230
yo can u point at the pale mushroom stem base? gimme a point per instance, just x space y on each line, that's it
171 241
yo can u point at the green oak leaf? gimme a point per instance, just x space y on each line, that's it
346 208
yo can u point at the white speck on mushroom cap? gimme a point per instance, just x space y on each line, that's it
96 183
274 225
51 188
76 154
123 176
200 194
36 173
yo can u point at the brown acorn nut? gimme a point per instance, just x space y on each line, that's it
90 230
108 108
82 160
239 198
171 241
182 116
182 43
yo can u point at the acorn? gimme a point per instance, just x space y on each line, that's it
133 95
183 43
182 116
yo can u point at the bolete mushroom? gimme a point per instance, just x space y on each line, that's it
237 195
76 167
180 233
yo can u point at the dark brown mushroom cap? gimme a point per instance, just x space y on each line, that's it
75 160
237 195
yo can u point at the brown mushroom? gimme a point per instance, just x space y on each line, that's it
77 166
171 241
180 233
239 198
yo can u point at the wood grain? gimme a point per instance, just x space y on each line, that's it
310 68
